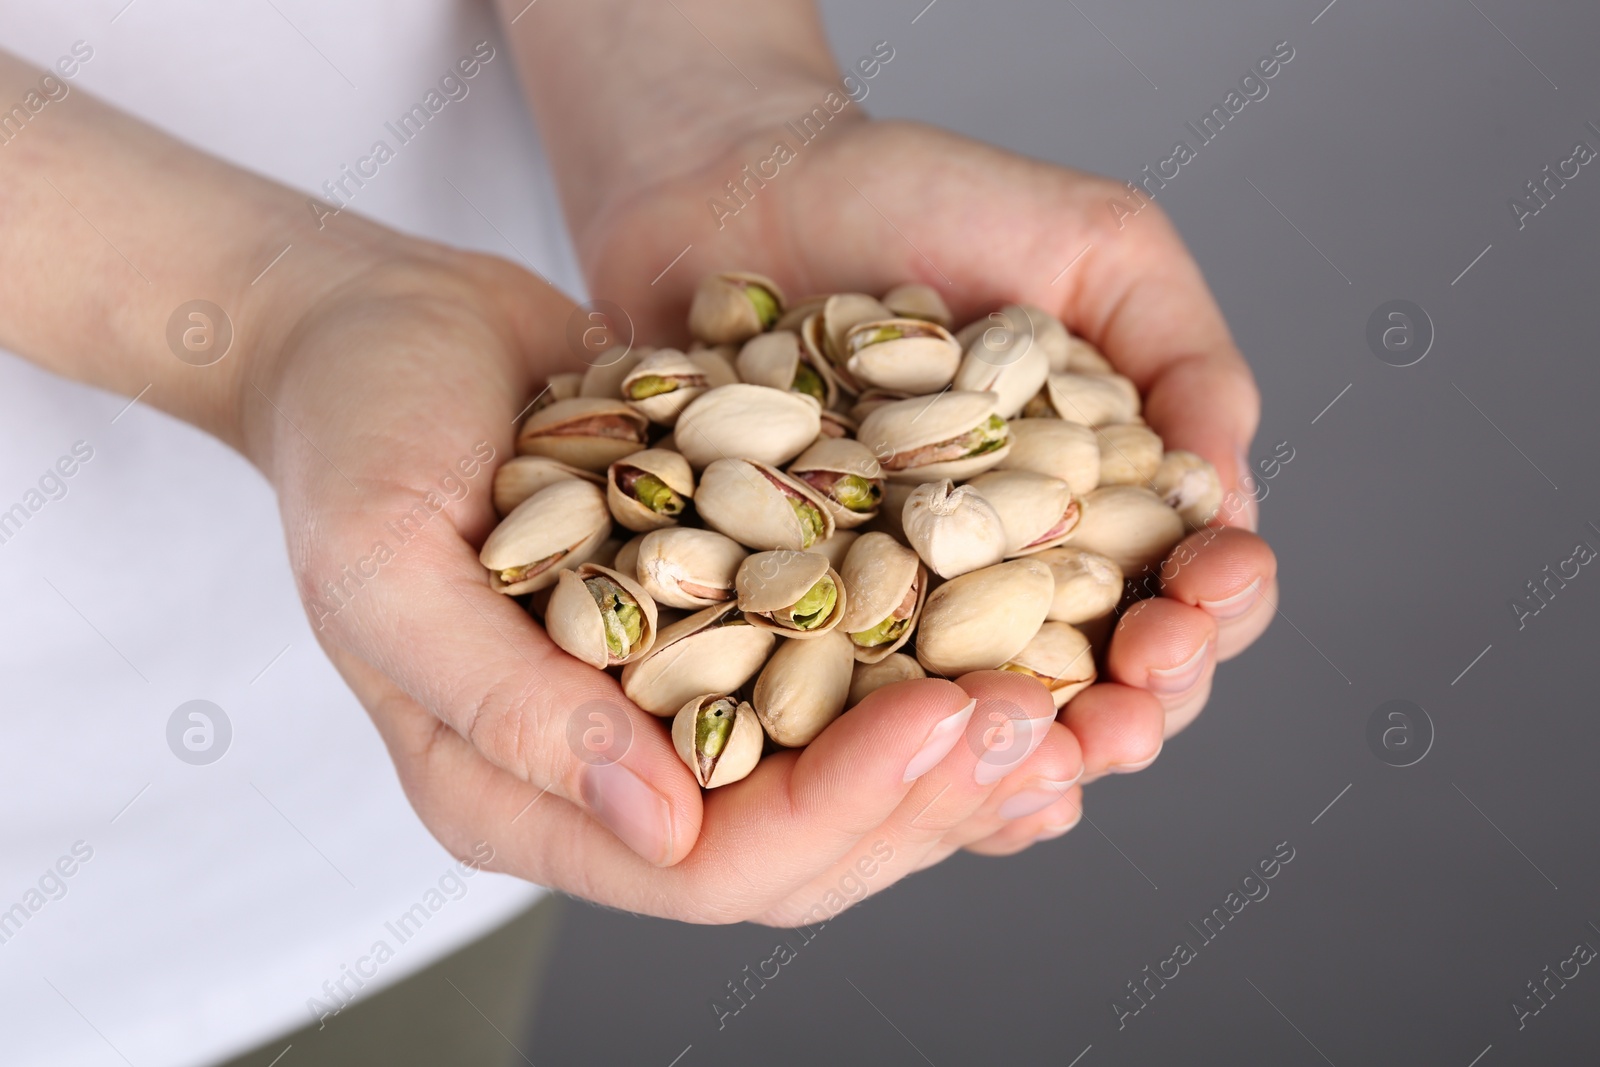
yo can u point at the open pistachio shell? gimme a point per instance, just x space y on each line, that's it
954 529
953 435
747 422
719 737
803 688
779 361
714 649
758 505
982 619
522 476
1189 484
1129 525
1059 657
1038 511
558 527
1093 399
917 301
661 385
870 677
649 490
587 432
1088 585
885 584
603 378
903 355
732 307
601 616
796 594
1053 446
847 476
1129 454
840 313
682 567
1015 374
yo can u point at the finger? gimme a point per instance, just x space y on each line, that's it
1163 646
1225 573
1043 825
1047 776
1120 729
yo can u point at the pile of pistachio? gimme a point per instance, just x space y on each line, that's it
821 498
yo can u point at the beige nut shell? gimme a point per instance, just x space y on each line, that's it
982 619
696 655
743 500
868 678
592 452
1066 450
520 477
1037 511
1129 525
769 583
738 757
669 466
680 566
1061 658
878 574
568 515
663 408
721 313
954 529
573 619
903 426
803 688
743 421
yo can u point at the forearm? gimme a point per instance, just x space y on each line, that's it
628 92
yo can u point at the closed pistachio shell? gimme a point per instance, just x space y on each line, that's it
847 476
803 688
868 678
587 432
902 355
835 548
682 567
1014 373
915 300
522 476
715 362
661 385
649 489
954 529
747 422
1129 525
714 649
758 505
718 737
733 307
953 435
603 378
1130 454
1084 358
779 361
885 584
1088 585
558 527
1059 657
1093 399
1037 511
600 616
1053 446
982 619
796 594
1189 484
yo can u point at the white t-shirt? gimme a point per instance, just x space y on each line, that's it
153 908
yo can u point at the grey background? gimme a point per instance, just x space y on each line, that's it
1408 920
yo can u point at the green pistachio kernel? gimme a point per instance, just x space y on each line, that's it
885 632
809 382
857 493
988 437
766 305
813 609
656 495
619 615
713 723
811 525
651 385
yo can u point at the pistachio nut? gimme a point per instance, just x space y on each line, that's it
835 548
902 355
682 567
796 594
1012 366
603 378
1061 449
587 432
885 584
954 529
627 558
661 385
714 649
953 435
840 313
561 386
1088 585
558 527
1037 511
715 362
983 618
649 489
915 300
798 312
1050 337
870 677
779 361
1084 358
719 737
522 476
1130 453
758 505
1060 658
1129 525
803 688
1189 484
747 422
1093 399
1016 328
732 307
600 616
846 475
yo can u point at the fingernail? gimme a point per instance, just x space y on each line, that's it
998 761
1184 675
1056 831
1250 507
1237 604
1036 797
941 739
636 813
1130 768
